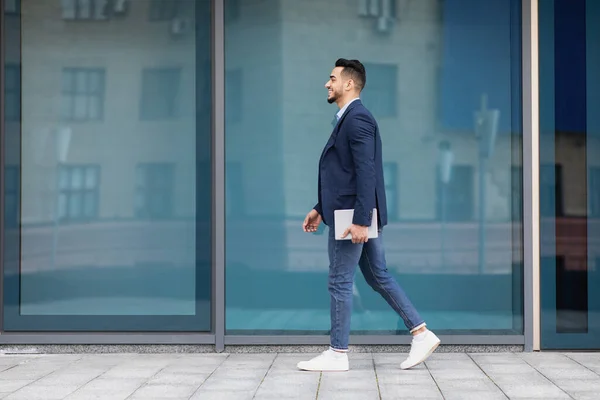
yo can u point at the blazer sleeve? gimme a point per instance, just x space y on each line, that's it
318 208
361 137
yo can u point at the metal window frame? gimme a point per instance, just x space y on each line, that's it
2 147
531 169
218 336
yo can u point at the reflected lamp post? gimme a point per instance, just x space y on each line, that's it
486 128
62 139
445 162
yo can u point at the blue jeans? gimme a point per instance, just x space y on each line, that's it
343 258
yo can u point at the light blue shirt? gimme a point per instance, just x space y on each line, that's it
343 109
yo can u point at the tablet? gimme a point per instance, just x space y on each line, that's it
343 220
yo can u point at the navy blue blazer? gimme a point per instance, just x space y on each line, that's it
351 169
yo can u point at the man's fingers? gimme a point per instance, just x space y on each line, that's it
346 232
305 224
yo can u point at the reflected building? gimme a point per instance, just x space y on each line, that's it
110 137
111 177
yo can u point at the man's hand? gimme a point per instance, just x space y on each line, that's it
312 221
360 234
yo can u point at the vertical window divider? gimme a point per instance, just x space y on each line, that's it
2 147
531 181
218 171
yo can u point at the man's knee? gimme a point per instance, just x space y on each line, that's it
340 289
380 280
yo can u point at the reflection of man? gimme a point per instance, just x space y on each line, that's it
351 177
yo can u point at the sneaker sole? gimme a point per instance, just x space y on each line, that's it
434 348
322 370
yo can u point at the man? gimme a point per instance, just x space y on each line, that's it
351 177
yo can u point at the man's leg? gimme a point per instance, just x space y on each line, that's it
373 266
343 259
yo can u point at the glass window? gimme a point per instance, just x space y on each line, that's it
11 196
12 93
594 191
569 179
83 94
79 202
160 93
87 9
11 6
164 10
233 94
380 93
390 175
458 199
154 190
435 74
113 211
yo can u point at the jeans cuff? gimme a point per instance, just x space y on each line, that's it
338 350
416 328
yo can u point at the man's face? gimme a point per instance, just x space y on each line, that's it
335 85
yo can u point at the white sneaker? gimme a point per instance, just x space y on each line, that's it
420 350
328 361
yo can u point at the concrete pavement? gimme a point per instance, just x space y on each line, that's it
274 376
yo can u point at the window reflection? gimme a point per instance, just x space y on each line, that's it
569 149
443 85
109 129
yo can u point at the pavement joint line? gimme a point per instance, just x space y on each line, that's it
434 381
486 374
376 376
265 376
48 374
319 385
92 379
548 379
149 379
211 374
584 366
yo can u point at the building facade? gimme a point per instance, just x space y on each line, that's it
159 156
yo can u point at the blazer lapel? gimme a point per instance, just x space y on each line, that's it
336 129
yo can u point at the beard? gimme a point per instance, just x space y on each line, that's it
333 98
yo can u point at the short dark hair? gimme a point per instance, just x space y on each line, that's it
355 69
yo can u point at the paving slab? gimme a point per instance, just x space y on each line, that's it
274 376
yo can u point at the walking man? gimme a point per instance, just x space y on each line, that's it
351 177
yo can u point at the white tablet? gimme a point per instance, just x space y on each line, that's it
343 220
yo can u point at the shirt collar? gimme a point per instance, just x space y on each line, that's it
343 109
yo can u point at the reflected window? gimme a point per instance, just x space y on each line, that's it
377 8
594 192
11 193
390 177
12 6
83 94
154 190
12 92
380 93
79 192
87 9
160 90
459 202
164 10
551 191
